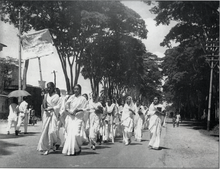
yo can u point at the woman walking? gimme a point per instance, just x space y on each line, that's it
75 107
96 110
138 121
13 114
155 112
127 120
49 136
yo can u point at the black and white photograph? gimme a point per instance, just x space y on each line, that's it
109 84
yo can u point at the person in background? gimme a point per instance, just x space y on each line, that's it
30 108
86 121
96 110
22 117
127 120
49 136
156 110
118 117
13 114
108 122
178 118
174 119
43 101
138 121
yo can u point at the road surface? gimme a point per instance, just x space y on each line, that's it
181 147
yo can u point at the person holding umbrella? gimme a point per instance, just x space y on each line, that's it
22 116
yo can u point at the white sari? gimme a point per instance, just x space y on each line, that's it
74 125
49 136
155 125
127 122
95 122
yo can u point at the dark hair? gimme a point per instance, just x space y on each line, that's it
25 98
86 96
51 84
14 100
57 90
80 88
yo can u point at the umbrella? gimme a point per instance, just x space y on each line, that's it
18 93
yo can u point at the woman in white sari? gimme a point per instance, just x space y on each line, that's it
155 112
96 110
127 120
75 108
49 136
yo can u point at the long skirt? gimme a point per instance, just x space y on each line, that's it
49 136
74 136
94 130
138 128
155 132
128 125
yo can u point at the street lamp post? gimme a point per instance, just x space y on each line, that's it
19 59
211 47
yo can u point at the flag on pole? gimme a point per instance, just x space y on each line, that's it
37 44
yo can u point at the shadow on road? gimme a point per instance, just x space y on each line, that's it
82 153
102 147
4 146
12 136
161 148
193 124
201 126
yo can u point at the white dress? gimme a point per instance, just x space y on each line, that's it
155 125
74 125
49 136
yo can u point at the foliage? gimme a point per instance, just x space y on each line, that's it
74 25
185 66
6 68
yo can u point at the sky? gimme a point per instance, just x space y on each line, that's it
8 36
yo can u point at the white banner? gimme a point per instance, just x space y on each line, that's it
37 44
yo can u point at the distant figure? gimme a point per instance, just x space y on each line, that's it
178 117
13 114
204 115
23 116
174 120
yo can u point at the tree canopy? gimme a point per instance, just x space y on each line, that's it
74 26
185 66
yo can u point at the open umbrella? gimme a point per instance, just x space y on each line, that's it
19 93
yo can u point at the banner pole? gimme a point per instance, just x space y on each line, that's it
41 79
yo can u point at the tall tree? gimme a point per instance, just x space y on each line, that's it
185 66
73 25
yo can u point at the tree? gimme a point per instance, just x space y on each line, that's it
73 25
6 68
107 53
185 66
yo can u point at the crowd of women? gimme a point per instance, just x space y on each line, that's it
94 121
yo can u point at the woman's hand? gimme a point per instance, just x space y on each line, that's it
49 109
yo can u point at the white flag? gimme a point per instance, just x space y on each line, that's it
37 44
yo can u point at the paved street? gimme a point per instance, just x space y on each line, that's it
182 147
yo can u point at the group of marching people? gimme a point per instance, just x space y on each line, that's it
94 121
